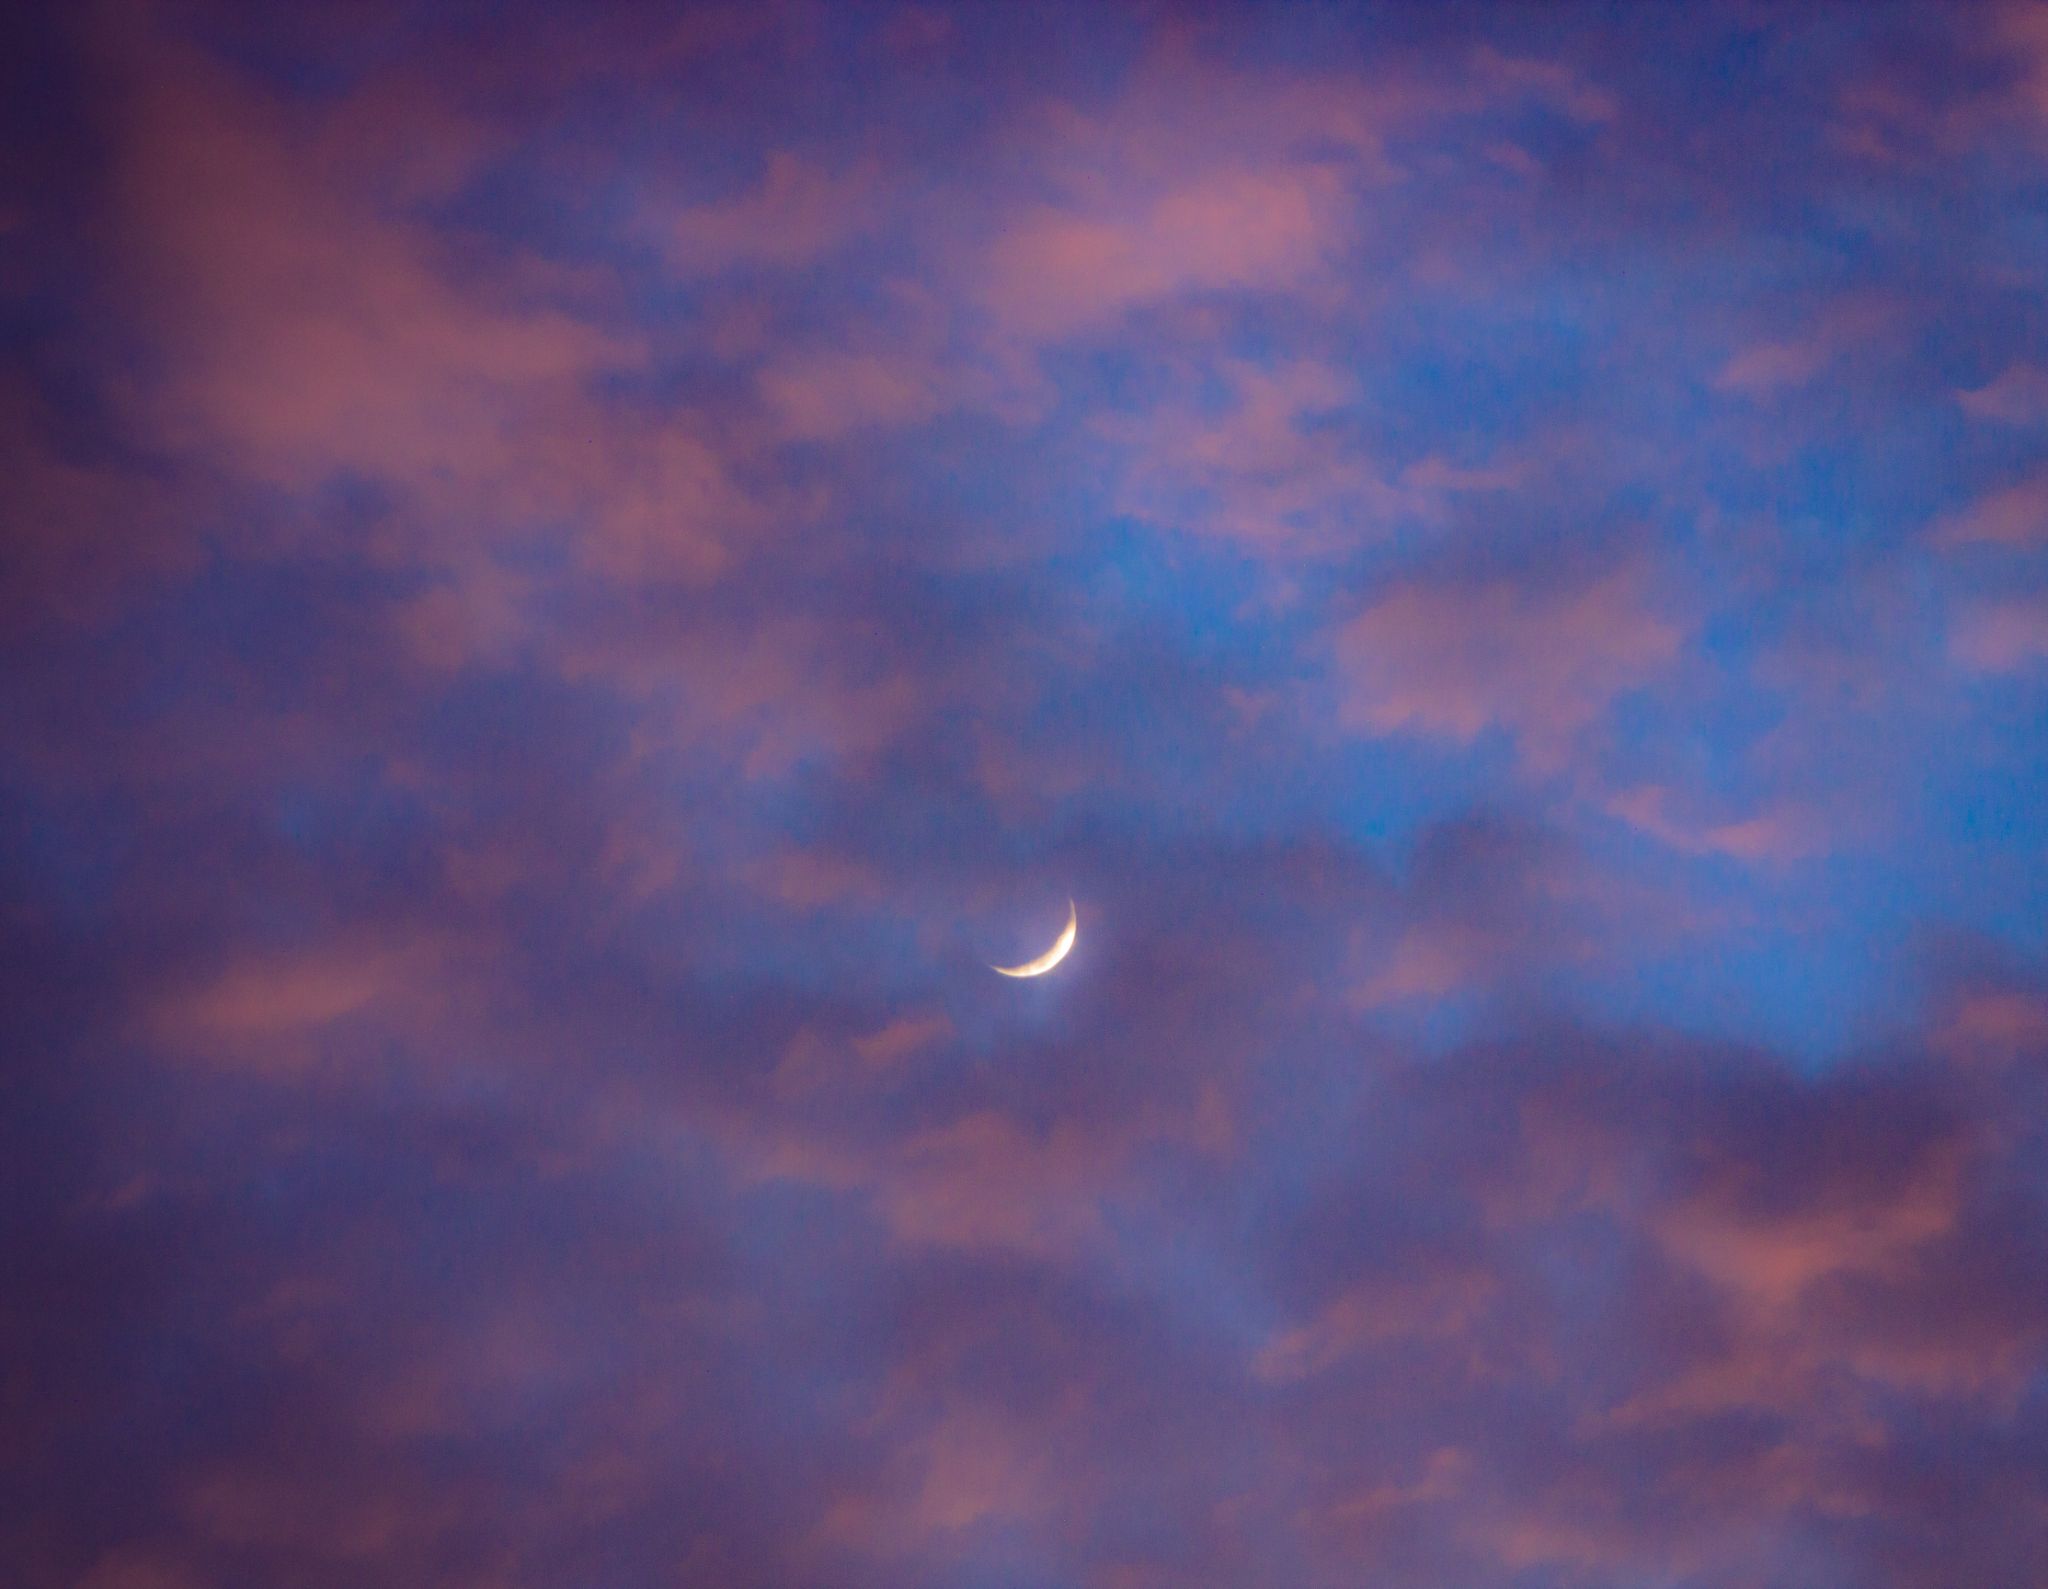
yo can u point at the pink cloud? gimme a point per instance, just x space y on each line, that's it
79 535
1772 1256
956 1461
136 1568
2001 636
815 1064
1767 366
1453 660
2015 516
1838 330
762 698
1258 471
1489 903
974 1465
823 395
1194 178
805 879
1055 271
2018 396
1442 1476
307 329
1895 118
983 1182
479 618
1994 1025
1777 835
266 1011
659 501
2022 27
901 1038
1436 473
1432 1306
1426 963
798 212
1550 82
311 332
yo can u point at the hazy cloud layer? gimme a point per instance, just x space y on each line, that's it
571 577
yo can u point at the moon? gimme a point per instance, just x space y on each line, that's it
1051 957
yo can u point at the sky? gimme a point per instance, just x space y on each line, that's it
571 576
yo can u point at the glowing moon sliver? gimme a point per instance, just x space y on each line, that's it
1051 957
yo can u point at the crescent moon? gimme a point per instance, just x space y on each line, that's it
1051 957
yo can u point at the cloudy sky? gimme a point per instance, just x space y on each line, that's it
571 575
